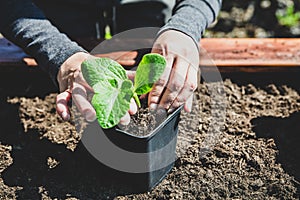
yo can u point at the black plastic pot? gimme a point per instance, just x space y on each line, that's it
138 163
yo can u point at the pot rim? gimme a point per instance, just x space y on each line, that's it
153 132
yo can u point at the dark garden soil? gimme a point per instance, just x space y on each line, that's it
252 154
254 18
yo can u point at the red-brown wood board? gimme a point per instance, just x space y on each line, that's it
252 54
228 54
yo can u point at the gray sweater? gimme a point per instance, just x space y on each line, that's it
25 24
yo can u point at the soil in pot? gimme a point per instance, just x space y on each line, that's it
144 121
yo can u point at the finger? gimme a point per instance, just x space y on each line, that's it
188 104
133 107
176 83
123 57
78 77
62 100
130 75
127 56
125 120
189 87
158 88
79 96
62 81
126 62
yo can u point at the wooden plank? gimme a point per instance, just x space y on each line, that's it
251 52
228 54
10 54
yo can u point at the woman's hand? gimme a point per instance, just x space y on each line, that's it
72 85
180 78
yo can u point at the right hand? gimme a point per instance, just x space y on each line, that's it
180 78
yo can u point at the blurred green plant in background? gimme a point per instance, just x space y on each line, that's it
288 17
108 34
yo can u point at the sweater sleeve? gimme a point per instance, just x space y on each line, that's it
26 26
192 17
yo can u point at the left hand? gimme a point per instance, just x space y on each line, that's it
72 85
180 78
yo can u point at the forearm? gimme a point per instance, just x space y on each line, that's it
193 16
25 25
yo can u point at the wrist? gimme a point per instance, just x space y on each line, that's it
167 30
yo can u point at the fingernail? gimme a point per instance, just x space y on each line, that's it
171 110
90 117
152 106
124 122
65 116
132 109
188 108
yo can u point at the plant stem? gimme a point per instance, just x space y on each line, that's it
137 100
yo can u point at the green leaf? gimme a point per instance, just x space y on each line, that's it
111 103
148 72
113 90
96 69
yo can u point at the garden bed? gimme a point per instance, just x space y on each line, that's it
255 155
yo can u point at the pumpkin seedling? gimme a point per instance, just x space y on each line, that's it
112 88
